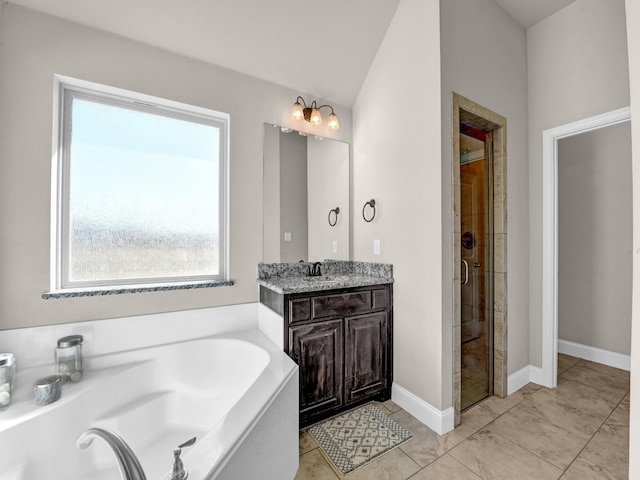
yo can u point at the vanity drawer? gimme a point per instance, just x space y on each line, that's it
380 299
299 309
341 304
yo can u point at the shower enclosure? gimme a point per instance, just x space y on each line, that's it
476 246
479 260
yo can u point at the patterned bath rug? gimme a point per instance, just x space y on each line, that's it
355 438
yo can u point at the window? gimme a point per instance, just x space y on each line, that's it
140 194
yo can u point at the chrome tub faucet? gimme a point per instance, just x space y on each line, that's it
130 468
128 464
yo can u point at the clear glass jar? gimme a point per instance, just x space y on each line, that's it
69 358
7 378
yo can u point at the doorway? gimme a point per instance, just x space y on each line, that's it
550 139
479 251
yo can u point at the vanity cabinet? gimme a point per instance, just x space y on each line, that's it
342 342
318 349
365 360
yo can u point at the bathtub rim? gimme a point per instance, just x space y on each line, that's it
253 403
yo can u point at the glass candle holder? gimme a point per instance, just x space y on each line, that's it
69 358
7 379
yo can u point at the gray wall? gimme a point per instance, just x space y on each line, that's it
594 238
577 67
633 35
484 60
397 163
293 197
33 47
271 194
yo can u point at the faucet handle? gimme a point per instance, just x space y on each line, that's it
188 443
178 472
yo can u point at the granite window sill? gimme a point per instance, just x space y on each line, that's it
101 291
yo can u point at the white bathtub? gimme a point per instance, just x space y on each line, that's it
237 393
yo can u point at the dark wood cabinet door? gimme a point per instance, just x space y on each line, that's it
366 350
318 350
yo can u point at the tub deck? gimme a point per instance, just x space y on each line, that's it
224 390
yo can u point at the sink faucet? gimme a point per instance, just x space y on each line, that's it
130 468
314 271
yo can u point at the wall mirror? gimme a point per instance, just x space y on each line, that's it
306 197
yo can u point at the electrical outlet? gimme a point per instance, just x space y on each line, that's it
334 246
288 237
376 247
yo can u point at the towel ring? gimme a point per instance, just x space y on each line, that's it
336 211
372 204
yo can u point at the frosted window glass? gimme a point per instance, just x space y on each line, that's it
144 196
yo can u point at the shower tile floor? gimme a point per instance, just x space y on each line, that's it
474 371
578 431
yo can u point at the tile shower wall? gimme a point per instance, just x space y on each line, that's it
474 220
475 325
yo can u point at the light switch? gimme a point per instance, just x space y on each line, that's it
288 237
376 247
334 246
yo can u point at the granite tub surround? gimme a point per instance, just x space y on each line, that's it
100 291
285 278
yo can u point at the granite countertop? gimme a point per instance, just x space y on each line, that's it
287 278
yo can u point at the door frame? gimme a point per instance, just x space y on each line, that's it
550 138
500 372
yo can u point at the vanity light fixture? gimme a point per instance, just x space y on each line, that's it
312 114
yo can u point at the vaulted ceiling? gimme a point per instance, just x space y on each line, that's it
529 12
323 48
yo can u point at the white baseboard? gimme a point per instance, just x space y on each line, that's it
612 359
523 376
440 421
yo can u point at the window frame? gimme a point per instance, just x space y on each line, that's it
67 88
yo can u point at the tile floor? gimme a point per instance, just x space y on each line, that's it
578 431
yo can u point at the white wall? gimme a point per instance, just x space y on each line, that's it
396 159
633 37
328 185
595 239
577 67
33 47
484 60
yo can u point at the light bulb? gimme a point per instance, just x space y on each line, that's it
316 118
332 123
297 112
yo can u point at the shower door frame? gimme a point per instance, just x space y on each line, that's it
499 181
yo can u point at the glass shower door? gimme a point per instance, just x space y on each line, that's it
476 333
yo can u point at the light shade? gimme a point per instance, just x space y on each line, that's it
316 118
296 112
332 123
